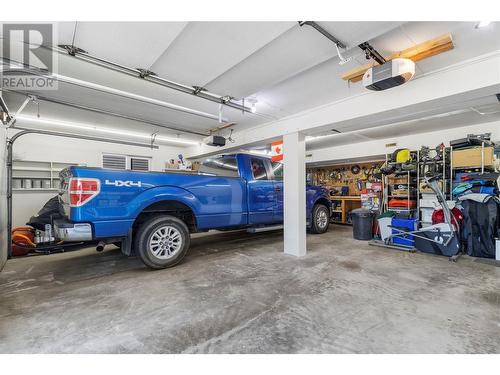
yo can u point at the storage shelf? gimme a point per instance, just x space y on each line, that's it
32 169
37 177
402 196
475 167
401 209
46 172
34 189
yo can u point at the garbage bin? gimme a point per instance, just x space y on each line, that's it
362 224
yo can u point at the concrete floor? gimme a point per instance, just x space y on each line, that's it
238 293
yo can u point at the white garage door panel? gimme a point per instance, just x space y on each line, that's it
207 49
120 105
317 86
134 44
92 73
354 33
290 53
293 52
469 43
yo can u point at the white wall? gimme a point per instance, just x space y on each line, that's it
3 198
414 142
57 149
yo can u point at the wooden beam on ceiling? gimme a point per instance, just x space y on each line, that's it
221 127
418 52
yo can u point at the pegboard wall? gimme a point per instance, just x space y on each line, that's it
334 177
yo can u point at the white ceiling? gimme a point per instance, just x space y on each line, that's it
287 68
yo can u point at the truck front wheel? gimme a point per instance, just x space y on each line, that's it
320 219
162 241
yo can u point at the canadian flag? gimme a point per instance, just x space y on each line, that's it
277 151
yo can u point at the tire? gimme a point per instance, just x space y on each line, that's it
320 219
162 241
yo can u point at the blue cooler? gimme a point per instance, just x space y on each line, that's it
404 224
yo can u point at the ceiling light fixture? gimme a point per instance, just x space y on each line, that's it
89 127
481 24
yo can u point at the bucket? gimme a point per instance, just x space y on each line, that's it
16 183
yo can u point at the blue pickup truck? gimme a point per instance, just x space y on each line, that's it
151 214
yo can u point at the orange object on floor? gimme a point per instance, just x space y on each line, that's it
23 236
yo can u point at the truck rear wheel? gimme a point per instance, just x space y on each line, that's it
162 241
320 219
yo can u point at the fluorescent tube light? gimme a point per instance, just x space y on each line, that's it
89 127
481 24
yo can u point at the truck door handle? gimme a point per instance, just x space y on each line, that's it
277 189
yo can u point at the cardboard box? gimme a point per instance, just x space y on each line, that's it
471 157
195 166
398 180
426 214
426 189
172 165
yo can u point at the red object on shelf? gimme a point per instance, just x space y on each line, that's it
402 203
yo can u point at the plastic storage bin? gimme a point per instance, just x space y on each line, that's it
404 225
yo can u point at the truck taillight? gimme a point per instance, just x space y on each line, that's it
82 190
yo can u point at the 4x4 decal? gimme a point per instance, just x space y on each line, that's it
119 183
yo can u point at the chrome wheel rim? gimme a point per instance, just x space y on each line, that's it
322 219
165 242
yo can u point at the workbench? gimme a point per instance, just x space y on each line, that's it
347 203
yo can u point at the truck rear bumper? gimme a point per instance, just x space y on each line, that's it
71 232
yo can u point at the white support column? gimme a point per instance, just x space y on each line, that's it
294 199
3 196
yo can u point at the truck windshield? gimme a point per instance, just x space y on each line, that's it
226 166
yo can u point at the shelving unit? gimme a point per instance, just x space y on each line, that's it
411 191
480 169
45 172
427 200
